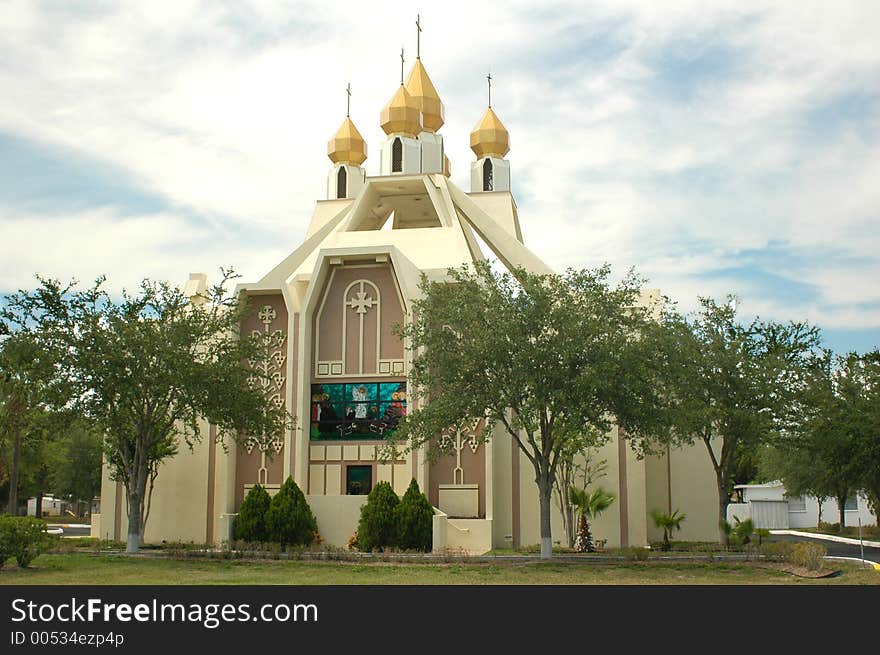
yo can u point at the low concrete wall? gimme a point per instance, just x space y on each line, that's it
337 517
440 529
470 536
95 531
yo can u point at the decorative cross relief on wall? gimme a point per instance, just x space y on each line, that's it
361 296
271 366
457 437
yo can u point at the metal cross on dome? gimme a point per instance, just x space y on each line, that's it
361 303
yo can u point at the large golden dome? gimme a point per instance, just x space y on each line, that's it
347 146
401 115
421 88
490 138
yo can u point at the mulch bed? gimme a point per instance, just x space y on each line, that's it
799 571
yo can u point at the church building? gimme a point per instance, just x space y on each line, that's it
326 314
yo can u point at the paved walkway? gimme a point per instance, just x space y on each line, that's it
838 547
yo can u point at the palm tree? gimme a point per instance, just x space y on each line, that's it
589 506
668 522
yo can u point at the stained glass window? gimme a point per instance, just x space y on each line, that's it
356 410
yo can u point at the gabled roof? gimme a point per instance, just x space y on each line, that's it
434 224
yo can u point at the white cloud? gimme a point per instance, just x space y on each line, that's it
225 110
94 242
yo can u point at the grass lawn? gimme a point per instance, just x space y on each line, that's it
86 569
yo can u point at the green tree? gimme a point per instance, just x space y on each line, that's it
735 385
415 520
859 395
798 470
250 522
289 520
147 369
378 525
589 506
28 386
834 450
75 462
668 523
549 359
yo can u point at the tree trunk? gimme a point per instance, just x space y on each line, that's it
13 472
136 496
722 511
38 510
544 490
841 504
568 516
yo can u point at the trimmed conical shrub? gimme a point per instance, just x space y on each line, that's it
250 524
415 520
377 528
290 520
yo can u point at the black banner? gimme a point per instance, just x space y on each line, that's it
393 619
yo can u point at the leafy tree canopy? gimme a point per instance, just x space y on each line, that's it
550 358
734 385
147 368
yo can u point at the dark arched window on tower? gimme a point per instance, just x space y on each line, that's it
341 179
487 175
397 156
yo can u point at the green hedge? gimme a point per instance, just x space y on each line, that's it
415 520
289 520
387 522
377 528
24 538
250 523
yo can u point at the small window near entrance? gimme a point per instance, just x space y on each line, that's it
358 480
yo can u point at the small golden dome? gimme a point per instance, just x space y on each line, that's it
347 146
490 138
401 115
421 88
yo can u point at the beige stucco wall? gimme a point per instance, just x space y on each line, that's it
462 536
500 206
501 479
656 492
180 497
530 510
635 474
337 517
607 525
695 493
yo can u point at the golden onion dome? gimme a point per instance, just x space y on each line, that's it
347 146
490 138
401 115
421 88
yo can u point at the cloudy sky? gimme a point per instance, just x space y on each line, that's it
716 146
